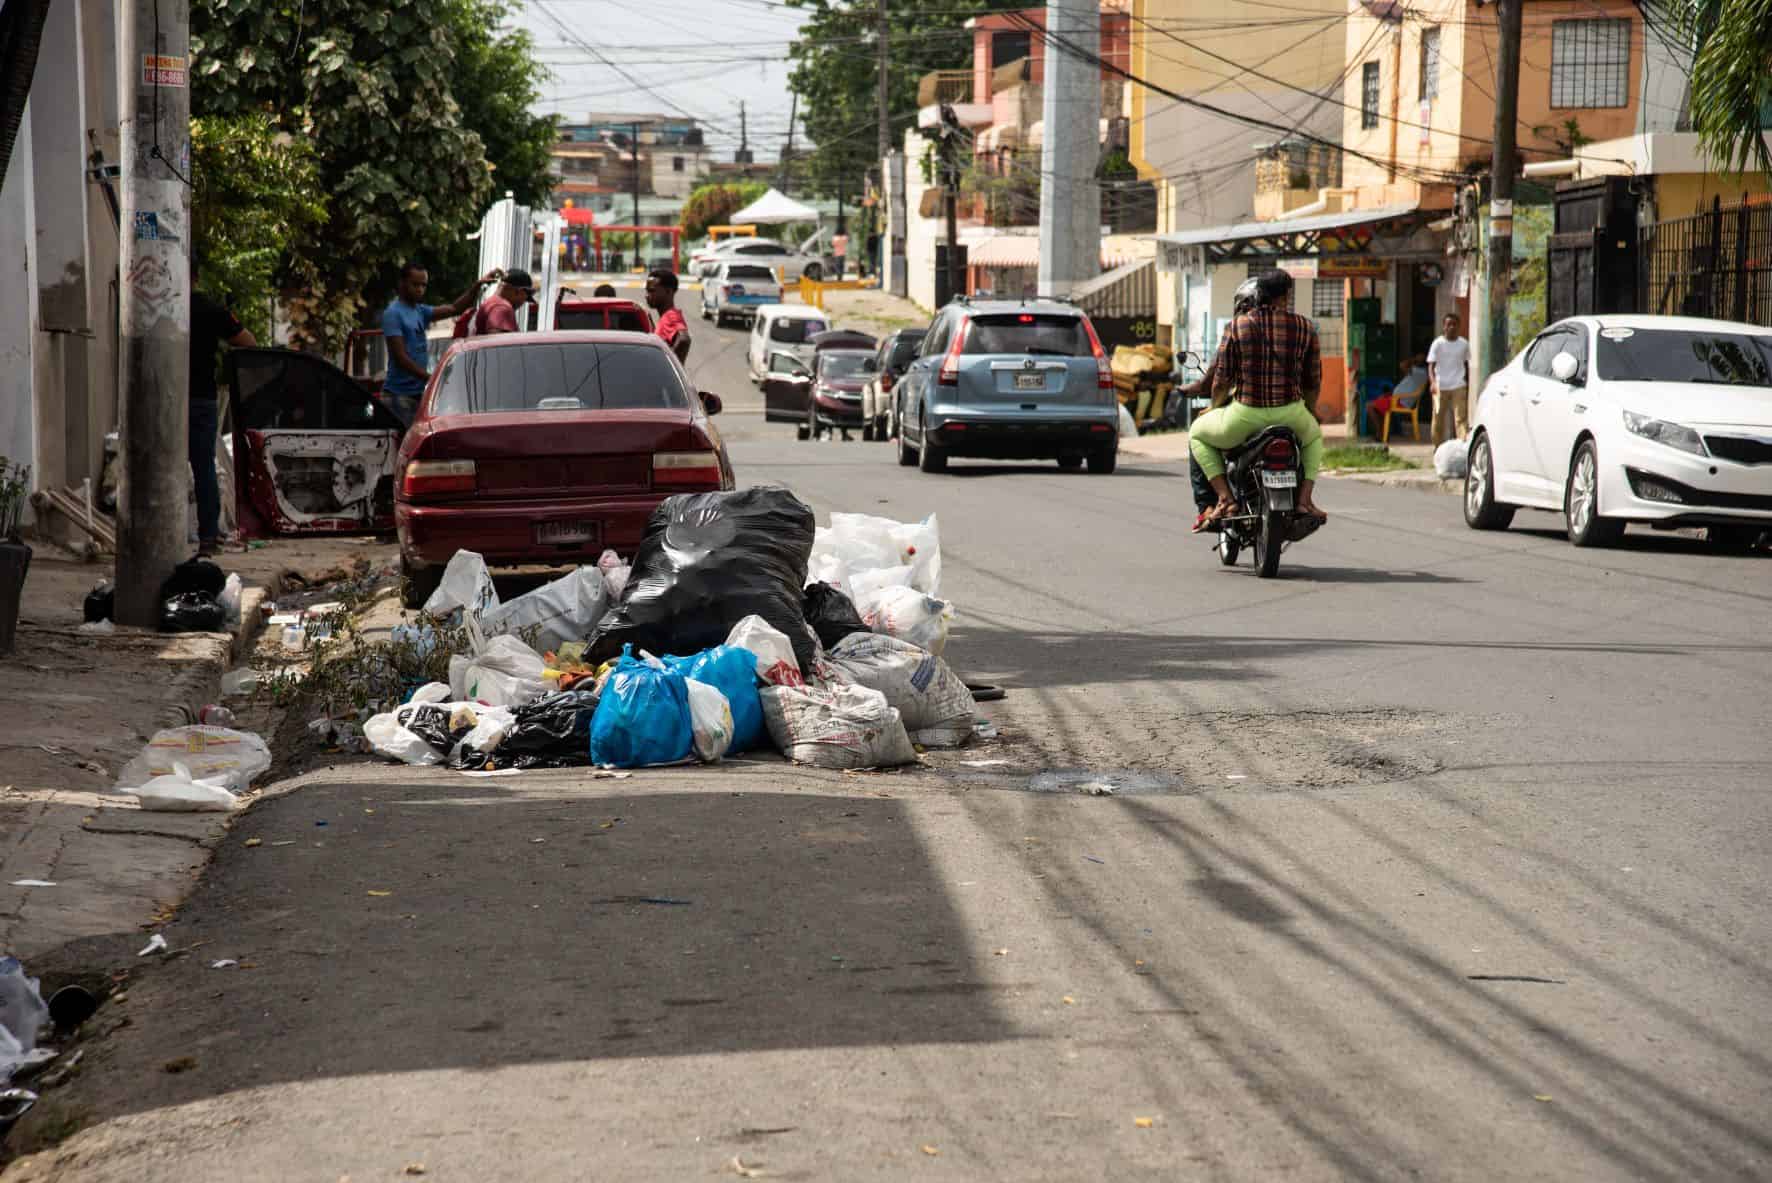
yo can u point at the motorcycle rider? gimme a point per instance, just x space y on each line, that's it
1242 300
1269 364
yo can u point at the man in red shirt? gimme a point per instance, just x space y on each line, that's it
498 312
661 297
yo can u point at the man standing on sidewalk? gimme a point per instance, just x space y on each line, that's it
1448 370
212 326
405 323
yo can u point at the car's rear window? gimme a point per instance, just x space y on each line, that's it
1028 332
841 365
749 271
568 376
794 331
625 319
1680 355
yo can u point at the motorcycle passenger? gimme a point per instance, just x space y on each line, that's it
1269 364
1242 300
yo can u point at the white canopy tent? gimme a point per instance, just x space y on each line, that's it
774 208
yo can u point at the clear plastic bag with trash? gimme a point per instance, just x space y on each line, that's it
710 721
221 754
180 792
1452 460
466 586
503 671
909 615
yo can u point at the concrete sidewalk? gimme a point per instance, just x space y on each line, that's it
873 311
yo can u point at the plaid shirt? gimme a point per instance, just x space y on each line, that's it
1271 357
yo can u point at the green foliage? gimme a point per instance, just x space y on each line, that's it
256 193
714 204
833 73
1731 100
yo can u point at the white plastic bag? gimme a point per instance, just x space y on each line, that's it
467 584
565 610
776 663
857 542
1128 427
207 753
429 692
1452 460
23 1013
388 738
503 672
936 707
909 615
616 579
180 792
836 727
710 721
492 724
866 583
230 597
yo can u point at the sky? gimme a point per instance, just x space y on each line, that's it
696 57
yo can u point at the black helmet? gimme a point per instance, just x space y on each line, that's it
1246 297
1273 286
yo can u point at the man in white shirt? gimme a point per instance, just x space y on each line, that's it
1448 370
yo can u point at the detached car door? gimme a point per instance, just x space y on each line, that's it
313 451
787 388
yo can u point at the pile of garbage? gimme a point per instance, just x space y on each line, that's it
1143 378
197 597
738 622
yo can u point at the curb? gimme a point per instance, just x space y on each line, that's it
1424 482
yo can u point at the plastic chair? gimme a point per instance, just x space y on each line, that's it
1403 404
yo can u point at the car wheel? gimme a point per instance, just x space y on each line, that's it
1070 463
1581 501
930 458
705 314
1102 463
907 455
813 272
1481 510
417 583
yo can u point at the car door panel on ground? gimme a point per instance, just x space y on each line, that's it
314 451
787 388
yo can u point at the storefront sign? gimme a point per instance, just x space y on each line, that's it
1352 267
1299 268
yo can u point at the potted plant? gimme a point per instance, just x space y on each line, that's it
15 556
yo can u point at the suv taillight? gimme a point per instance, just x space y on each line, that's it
1278 454
427 478
950 365
1104 373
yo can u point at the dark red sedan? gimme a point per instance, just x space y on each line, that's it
545 448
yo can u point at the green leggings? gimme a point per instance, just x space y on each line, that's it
1230 425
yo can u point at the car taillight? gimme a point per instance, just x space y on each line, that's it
1277 454
686 468
950 365
1104 374
426 478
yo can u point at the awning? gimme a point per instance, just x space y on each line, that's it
1022 250
1344 232
774 208
1128 290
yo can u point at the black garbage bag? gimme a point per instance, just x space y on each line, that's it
101 601
831 614
431 723
551 732
707 561
193 612
194 575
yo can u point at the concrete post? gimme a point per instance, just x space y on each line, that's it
156 301
1070 201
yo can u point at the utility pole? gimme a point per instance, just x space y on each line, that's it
1501 183
880 84
1070 202
154 302
743 155
784 174
950 185
636 186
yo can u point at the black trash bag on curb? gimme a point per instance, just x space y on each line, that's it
193 612
101 602
194 575
551 732
707 561
431 723
831 614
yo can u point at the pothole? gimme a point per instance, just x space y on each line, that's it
1104 782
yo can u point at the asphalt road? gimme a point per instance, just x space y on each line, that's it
1442 856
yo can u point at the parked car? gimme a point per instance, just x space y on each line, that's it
545 448
891 360
839 367
1022 380
736 290
601 312
1616 419
779 327
789 262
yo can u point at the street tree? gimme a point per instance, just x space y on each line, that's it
1731 98
713 204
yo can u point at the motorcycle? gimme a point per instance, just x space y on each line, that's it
1264 474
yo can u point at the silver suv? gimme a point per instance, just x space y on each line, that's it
1009 380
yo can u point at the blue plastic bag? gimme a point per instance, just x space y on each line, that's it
733 672
643 717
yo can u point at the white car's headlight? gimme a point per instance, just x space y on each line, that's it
1674 435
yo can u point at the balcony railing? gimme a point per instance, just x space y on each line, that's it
944 86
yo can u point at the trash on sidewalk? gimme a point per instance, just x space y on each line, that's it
836 727
216 716
190 598
156 944
503 671
241 681
466 586
832 614
856 543
180 792
909 615
1452 460
710 721
232 758
563 611
100 603
643 717
732 670
615 574
934 703
551 732
707 561
231 592
99 628
35 883
776 663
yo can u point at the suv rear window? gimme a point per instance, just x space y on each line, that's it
571 376
625 319
790 330
749 271
1028 332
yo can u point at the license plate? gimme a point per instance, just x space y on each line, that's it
1030 382
561 533
1280 480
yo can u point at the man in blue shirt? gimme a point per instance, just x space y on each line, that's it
404 323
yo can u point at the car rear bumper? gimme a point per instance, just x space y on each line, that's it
1002 437
504 532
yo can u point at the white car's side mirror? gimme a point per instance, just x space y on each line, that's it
1563 366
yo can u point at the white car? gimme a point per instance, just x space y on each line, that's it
789 263
783 328
736 290
1615 419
